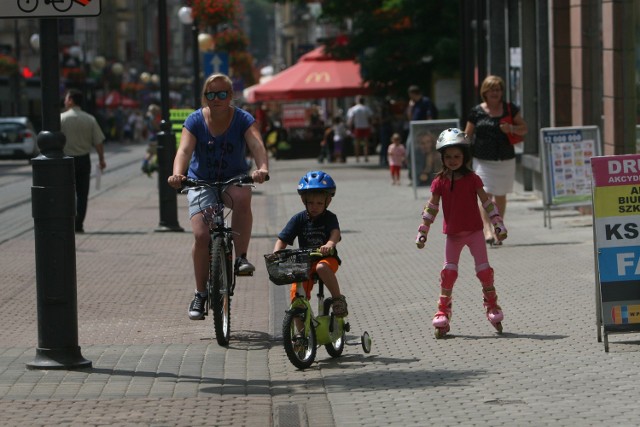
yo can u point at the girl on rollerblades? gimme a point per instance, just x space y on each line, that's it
459 188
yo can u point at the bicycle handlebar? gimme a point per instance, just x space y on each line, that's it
313 252
240 181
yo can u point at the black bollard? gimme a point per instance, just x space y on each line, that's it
166 139
167 195
53 209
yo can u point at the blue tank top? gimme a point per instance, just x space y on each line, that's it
221 157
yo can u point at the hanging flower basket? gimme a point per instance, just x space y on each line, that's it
242 64
215 12
231 40
8 65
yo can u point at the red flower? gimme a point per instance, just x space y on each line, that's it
215 12
230 40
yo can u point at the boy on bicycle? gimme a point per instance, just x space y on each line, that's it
317 228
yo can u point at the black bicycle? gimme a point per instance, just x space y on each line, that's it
222 270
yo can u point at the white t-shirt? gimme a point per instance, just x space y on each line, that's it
359 116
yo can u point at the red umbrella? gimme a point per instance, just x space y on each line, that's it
314 76
115 100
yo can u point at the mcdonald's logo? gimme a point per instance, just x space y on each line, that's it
317 77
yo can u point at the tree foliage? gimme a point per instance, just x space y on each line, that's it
397 42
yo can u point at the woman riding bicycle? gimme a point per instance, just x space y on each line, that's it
213 147
317 227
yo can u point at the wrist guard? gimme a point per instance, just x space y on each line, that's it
496 219
430 212
421 238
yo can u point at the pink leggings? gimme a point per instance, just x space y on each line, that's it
477 246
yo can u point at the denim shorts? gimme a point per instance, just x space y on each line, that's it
200 199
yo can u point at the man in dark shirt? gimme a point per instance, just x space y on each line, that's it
421 106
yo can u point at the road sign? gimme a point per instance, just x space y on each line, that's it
49 8
215 62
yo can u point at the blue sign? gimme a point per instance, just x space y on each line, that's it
215 62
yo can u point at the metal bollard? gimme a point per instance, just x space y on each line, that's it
53 209
167 195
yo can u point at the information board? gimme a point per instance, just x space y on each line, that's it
424 160
616 222
566 158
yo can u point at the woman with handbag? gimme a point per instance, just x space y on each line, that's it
494 126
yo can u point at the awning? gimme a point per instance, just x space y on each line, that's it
314 76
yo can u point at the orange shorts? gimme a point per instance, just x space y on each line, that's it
308 285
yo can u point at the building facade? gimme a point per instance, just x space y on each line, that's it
566 62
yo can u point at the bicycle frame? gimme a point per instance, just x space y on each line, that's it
328 327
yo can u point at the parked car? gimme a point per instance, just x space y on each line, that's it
17 138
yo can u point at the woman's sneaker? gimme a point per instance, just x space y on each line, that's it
244 267
339 306
197 307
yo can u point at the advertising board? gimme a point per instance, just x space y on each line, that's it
616 223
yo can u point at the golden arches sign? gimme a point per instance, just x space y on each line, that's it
317 77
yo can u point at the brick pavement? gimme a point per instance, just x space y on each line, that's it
152 366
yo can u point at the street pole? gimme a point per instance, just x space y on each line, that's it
53 209
196 64
166 140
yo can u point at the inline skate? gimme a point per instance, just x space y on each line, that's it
442 317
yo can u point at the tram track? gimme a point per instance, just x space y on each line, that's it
16 217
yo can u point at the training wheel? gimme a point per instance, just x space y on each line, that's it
365 339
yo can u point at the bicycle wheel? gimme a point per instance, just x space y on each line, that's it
301 350
219 285
60 5
27 6
336 347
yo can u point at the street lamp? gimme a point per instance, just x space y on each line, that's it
205 42
34 41
184 14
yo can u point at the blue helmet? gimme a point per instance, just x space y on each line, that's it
317 181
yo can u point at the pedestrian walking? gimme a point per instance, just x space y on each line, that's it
82 133
396 157
359 120
494 157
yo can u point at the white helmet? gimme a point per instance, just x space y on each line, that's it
450 137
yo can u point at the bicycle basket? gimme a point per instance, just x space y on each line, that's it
288 266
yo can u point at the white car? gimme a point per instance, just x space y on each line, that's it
17 138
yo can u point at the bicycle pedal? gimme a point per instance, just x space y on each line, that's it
244 273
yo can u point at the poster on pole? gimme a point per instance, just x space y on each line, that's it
616 222
424 160
566 158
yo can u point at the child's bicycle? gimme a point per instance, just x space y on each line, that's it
302 331
222 272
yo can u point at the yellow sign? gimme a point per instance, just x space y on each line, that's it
623 200
177 118
317 77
